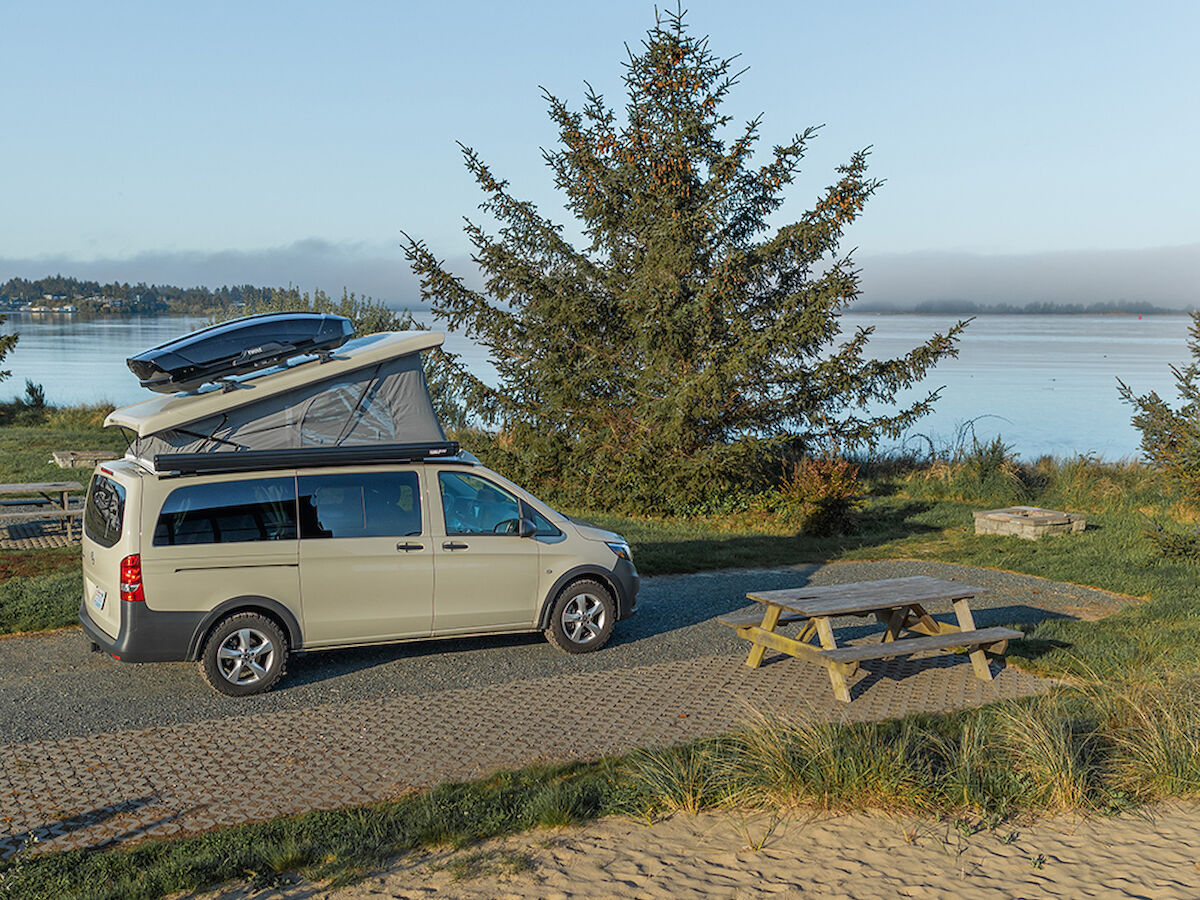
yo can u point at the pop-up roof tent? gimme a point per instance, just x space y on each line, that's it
368 395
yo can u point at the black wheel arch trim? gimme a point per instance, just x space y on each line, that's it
623 586
249 603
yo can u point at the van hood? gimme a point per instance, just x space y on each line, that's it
594 532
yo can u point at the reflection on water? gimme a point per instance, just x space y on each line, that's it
1046 384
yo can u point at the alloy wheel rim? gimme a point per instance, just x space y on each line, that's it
245 656
583 618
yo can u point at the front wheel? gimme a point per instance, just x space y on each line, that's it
245 654
583 617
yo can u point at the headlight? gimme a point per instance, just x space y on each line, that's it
621 549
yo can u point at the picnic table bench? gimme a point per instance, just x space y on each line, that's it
54 496
898 603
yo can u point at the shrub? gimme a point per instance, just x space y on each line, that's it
820 495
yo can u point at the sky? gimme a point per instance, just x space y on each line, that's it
1032 151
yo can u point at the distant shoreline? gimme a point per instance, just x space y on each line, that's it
967 308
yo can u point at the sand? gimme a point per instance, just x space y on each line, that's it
1154 853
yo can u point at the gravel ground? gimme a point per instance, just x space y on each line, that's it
51 686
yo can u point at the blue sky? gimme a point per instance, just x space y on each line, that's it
1031 150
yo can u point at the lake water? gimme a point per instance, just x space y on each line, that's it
1045 384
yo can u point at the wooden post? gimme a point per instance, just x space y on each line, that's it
770 620
966 622
894 623
837 673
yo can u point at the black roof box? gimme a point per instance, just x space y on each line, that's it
236 347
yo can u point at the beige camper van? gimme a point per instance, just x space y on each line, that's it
318 505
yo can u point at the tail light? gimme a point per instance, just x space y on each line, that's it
131 579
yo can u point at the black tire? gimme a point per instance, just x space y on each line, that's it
582 618
244 654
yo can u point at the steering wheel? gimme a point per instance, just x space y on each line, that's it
507 526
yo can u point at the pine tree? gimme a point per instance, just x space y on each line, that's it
685 349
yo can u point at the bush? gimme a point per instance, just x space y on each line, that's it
820 495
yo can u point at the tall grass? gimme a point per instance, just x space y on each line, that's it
1155 732
1097 748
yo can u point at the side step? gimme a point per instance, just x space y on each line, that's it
980 637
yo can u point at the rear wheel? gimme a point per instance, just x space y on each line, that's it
245 654
583 617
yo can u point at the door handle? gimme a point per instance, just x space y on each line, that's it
454 545
407 547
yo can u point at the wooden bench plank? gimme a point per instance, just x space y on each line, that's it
978 638
52 513
737 620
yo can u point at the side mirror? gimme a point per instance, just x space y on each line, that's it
526 528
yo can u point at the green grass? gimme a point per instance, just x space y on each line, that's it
41 602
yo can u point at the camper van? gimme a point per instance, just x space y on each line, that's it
317 504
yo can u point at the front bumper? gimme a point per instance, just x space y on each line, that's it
627 581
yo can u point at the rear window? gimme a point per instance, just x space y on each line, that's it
229 512
104 514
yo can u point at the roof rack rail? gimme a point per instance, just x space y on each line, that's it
304 457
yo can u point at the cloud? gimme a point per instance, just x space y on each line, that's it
1163 276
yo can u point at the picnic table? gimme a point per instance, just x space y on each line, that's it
897 603
83 459
54 495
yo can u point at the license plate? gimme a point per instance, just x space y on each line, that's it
98 598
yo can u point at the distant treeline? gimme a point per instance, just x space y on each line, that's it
968 308
116 298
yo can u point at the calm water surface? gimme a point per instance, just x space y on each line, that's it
1045 384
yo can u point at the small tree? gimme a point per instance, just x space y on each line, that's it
685 349
1171 437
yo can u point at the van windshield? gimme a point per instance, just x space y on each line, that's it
104 514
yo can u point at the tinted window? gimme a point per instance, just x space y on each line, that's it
105 511
473 505
230 512
370 504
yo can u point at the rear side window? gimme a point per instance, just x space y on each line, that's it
230 512
367 504
104 514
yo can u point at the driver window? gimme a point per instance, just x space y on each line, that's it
473 505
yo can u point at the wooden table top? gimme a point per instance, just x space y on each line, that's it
865 596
